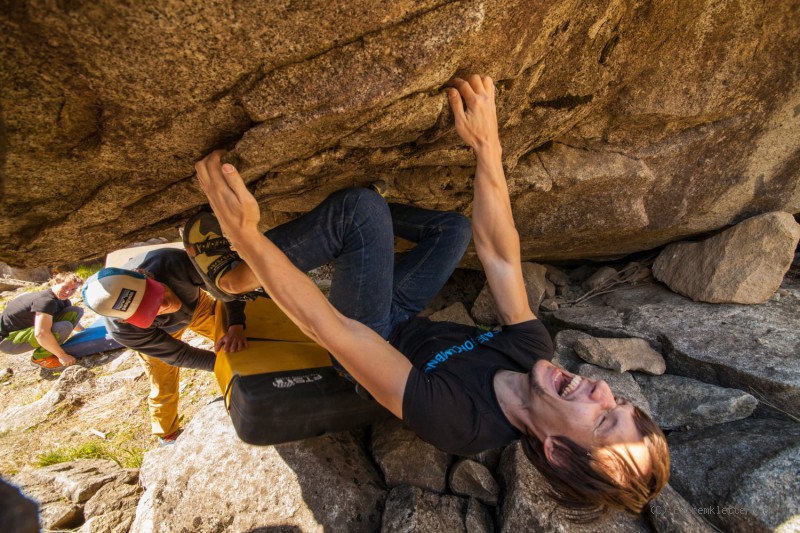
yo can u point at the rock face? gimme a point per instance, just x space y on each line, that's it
751 348
744 264
617 136
312 485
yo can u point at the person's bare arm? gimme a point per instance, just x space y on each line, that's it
42 330
495 235
375 364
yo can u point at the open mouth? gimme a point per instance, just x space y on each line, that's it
566 384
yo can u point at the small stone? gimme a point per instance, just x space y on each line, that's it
549 289
471 479
621 354
549 305
557 276
456 313
599 278
564 354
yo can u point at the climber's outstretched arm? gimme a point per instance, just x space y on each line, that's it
374 363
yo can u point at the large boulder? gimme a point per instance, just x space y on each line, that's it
751 348
744 264
312 485
742 475
617 136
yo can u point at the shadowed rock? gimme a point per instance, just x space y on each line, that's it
413 509
484 310
670 513
454 313
748 468
471 479
405 459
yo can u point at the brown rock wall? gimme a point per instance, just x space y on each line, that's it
626 124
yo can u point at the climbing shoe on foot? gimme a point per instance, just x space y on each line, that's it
212 255
50 363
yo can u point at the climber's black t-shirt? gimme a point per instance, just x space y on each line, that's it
20 313
449 399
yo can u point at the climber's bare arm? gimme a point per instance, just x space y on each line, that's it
374 363
495 235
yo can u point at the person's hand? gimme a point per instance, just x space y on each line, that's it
67 359
234 340
477 125
236 209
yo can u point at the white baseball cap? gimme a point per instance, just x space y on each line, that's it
125 294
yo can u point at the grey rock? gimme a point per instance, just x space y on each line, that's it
600 278
405 459
679 402
17 513
549 305
39 274
751 348
113 507
564 353
557 276
549 289
413 509
622 384
325 482
484 311
737 467
6 374
621 354
669 512
527 507
488 458
744 264
454 313
471 479
765 508
63 489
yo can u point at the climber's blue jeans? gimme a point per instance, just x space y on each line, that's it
355 228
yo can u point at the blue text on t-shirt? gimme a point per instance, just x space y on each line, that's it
466 346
